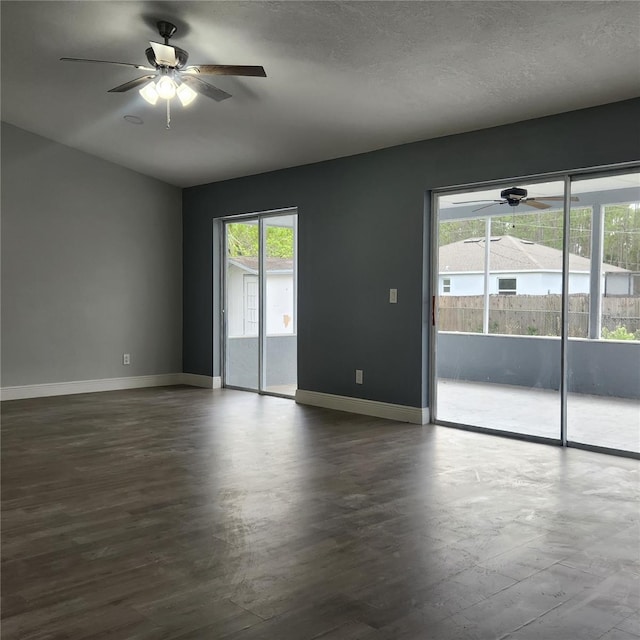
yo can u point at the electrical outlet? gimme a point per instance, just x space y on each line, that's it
358 376
126 358
393 296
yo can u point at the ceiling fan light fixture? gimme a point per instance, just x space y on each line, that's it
149 93
186 94
166 88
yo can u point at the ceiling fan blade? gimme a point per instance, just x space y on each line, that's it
205 88
558 198
123 64
165 54
475 201
227 70
132 84
534 203
495 202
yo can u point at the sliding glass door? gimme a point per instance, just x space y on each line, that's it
537 328
603 358
279 295
260 301
499 309
241 310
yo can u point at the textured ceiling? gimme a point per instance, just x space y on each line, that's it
343 77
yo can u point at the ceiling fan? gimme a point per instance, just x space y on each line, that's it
514 196
169 76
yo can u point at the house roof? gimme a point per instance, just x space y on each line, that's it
250 263
507 253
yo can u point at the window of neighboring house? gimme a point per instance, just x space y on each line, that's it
507 286
446 285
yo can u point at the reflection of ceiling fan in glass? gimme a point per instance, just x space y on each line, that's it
514 196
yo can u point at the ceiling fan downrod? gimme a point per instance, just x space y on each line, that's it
166 30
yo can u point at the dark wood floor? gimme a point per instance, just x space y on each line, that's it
186 513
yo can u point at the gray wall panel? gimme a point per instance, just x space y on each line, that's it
280 365
91 266
596 367
361 223
513 360
603 368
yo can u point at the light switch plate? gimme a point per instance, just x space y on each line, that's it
393 296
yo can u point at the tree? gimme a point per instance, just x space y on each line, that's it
242 240
621 223
622 236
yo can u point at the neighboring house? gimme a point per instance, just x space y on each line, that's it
516 266
242 296
622 284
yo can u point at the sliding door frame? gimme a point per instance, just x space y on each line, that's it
568 177
260 218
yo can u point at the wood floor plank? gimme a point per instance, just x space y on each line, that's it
182 513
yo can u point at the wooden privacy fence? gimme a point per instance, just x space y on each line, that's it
535 315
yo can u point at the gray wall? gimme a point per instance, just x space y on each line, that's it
605 368
242 363
363 229
514 360
91 266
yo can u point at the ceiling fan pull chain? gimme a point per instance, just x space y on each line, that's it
168 114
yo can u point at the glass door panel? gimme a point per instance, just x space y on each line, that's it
280 321
604 286
499 309
242 305
261 303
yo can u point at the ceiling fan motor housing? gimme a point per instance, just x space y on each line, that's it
166 29
513 195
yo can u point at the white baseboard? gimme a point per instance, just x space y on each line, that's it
398 412
196 380
88 386
108 384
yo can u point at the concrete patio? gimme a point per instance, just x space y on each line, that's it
601 421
